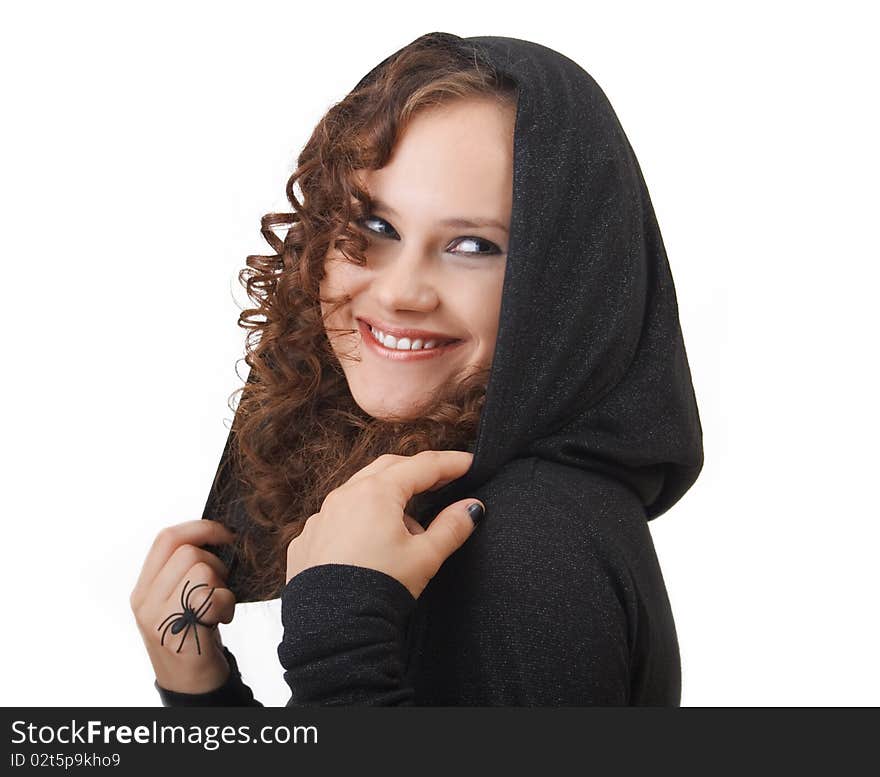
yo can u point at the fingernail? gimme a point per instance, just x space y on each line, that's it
476 512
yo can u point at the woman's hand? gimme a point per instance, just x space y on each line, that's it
178 601
362 522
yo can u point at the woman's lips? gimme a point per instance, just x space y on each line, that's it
412 333
393 354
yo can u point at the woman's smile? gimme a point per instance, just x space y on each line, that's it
415 351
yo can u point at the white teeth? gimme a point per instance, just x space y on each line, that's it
404 343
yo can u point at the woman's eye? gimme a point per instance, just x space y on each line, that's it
367 220
491 248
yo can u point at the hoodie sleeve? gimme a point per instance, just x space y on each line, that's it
344 643
233 693
344 639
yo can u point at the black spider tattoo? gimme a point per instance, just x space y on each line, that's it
189 617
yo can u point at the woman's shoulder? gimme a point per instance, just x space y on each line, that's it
536 560
549 522
580 503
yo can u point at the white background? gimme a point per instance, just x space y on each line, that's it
141 143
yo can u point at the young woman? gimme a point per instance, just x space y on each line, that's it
472 305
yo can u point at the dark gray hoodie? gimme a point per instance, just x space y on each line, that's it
590 429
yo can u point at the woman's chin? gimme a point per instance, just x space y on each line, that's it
392 412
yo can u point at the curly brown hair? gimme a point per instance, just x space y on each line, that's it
297 432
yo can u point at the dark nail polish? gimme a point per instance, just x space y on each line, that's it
476 512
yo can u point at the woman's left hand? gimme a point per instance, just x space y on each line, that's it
362 522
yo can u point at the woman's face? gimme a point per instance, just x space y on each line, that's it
438 236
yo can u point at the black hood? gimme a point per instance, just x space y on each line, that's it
590 369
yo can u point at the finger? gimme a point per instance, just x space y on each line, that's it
440 484
449 531
415 474
378 464
197 532
182 561
205 595
198 604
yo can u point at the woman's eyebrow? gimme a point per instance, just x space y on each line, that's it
450 222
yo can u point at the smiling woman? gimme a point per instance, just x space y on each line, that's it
468 395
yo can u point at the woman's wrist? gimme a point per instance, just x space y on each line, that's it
211 675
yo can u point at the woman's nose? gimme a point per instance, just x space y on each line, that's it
406 283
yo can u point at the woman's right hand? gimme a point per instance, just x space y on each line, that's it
174 588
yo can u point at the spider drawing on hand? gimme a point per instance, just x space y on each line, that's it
189 617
